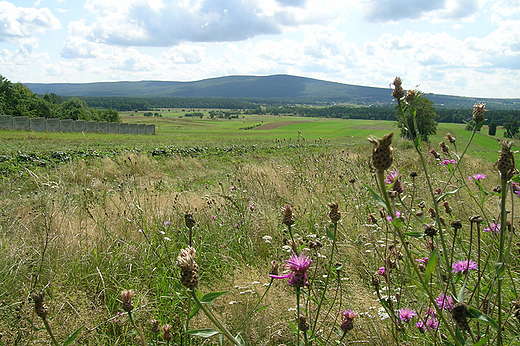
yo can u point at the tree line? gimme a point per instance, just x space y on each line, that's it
18 100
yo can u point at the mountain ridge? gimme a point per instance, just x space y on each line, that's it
279 87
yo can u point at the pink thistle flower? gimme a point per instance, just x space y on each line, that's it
406 314
445 302
167 223
477 177
493 227
448 161
381 271
423 260
347 322
298 266
397 215
463 266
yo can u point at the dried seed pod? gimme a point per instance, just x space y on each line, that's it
39 306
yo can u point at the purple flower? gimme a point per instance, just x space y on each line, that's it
477 177
394 179
463 266
448 161
381 271
423 260
167 223
347 322
406 314
445 302
397 215
431 324
298 266
493 227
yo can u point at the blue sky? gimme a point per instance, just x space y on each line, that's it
455 47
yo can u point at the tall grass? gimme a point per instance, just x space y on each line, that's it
89 228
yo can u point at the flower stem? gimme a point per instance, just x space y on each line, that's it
214 319
500 264
49 331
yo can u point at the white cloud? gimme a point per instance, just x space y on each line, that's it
395 10
23 22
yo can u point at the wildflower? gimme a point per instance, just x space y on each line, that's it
347 322
334 214
394 178
506 162
515 188
398 92
411 95
167 223
304 325
450 138
459 313
298 266
493 227
372 219
267 239
127 297
167 332
445 302
406 314
463 266
381 271
444 147
189 269
477 177
478 112
422 263
274 268
397 215
154 326
189 221
447 207
448 161
287 216
435 154
39 306
382 153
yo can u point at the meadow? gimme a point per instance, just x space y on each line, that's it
85 217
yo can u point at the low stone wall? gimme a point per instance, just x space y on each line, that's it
8 122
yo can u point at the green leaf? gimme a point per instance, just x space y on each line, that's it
415 234
474 314
516 179
448 193
203 333
483 341
432 263
417 142
397 222
260 308
329 233
460 337
378 198
72 336
208 298
240 341
194 311
500 269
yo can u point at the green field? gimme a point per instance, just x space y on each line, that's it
173 129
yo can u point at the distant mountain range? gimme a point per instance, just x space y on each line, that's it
283 88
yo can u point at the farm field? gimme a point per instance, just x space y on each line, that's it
85 217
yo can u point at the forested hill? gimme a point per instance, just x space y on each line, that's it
283 88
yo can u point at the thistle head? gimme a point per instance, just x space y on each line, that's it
506 161
126 297
478 112
382 157
398 92
288 219
334 214
39 306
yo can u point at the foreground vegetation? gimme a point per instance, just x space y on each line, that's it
180 238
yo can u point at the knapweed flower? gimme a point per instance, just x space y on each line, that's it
288 219
39 306
515 188
450 138
394 178
445 302
347 321
477 177
189 269
167 223
478 112
463 266
435 154
406 314
298 266
398 92
448 161
493 227
382 156
126 297
381 271
506 162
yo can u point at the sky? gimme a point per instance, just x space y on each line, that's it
454 47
